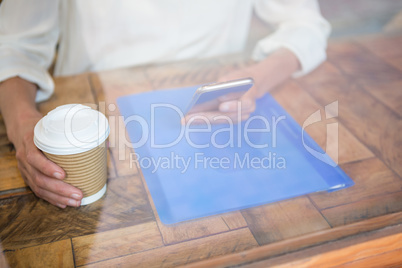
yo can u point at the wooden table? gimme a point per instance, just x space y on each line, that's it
359 225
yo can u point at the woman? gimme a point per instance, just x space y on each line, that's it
95 35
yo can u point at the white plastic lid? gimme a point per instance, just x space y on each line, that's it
71 129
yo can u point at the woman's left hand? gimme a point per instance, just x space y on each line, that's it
267 74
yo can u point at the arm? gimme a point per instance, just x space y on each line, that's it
27 44
299 27
294 49
17 106
280 66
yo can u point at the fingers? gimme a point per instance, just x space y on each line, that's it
50 189
56 192
230 112
42 175
230 96
57 200
215 117
246 106
206 106
36 159
58 187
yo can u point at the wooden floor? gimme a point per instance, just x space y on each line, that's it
123 228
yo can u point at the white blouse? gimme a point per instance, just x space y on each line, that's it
95 35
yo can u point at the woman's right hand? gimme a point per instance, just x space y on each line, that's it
45 178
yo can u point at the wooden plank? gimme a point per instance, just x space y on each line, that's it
191 73
187 252
111 169
122 153
379 130
31 221
388 93
234 220
325 75
364 209
9 212
4 141
3 261
386 47
188 230
371 177
296 244
182 74
345 253
107 86
396 62
301 105
10 176
359 64
115 243
386 259
69 89
15 192
57 254
283 220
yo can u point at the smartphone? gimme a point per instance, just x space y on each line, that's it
208 97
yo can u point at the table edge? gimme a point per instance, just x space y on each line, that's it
303 242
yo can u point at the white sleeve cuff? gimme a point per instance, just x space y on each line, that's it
308 46
13 65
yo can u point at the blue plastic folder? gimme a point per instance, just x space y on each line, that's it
194 171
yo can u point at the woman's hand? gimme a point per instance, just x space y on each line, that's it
227 109
267 74
45 178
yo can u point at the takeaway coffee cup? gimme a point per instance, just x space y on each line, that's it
74 137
